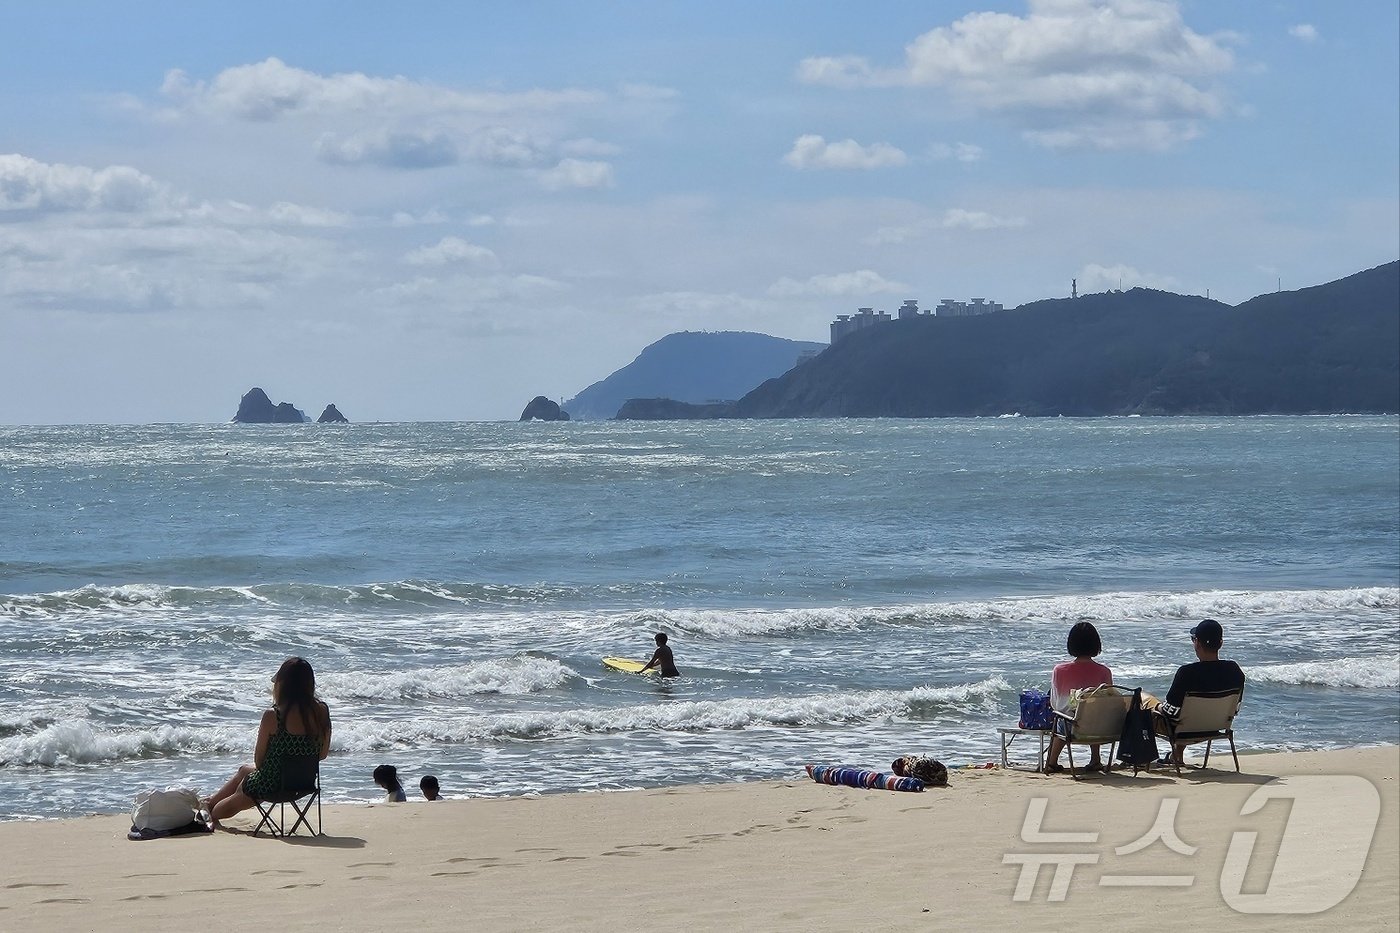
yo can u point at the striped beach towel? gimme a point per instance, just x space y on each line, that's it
860 777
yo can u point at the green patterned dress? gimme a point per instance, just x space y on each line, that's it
281 745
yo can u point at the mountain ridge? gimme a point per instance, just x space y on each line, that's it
1330 348
691 367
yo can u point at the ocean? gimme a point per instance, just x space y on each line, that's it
834 590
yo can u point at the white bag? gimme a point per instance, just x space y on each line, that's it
165 809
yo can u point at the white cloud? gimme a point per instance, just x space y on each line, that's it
577 173
30 185
271 89
454 292
812 151
184 267
962 152
504 146
954 218
284 213
114 239
420 149
860 282
454 251
431 216
1098 278
1305 31
1102 73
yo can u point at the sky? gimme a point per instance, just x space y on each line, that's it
435 211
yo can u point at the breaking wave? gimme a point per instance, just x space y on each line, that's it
515 676
1100 608
79 742
1364 673
153 597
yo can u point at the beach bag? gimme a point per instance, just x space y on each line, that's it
1035 710
1137 746
164 810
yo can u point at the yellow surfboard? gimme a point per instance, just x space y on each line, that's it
627 665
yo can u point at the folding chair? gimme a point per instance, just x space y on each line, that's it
1097 720
300 787
1205 717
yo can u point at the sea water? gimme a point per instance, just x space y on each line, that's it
835 591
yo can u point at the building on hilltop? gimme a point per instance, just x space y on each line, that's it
847 324
949 307
910 308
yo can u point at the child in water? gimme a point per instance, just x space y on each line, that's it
387 777
662 656
429 786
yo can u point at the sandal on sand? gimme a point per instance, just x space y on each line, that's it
1092 767
1052 768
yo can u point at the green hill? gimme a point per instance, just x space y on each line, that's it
1330 348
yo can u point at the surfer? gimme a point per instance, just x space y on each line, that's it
662 657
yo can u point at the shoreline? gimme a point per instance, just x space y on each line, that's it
777 854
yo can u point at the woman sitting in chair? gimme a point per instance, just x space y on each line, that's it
298 724
1083 645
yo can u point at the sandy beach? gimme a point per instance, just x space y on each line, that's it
773 855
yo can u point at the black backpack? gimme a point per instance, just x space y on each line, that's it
1137 746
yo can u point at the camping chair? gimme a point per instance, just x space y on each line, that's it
1097 720
1205 717
301 787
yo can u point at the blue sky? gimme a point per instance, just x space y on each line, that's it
435 211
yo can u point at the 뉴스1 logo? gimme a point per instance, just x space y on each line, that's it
1325 841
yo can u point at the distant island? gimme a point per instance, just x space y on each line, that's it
1332 348
256 408
693 367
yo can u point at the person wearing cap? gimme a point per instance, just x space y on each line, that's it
1209 674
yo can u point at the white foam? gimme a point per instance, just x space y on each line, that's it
684 716
1099 608
78 742
1364 673
518 675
